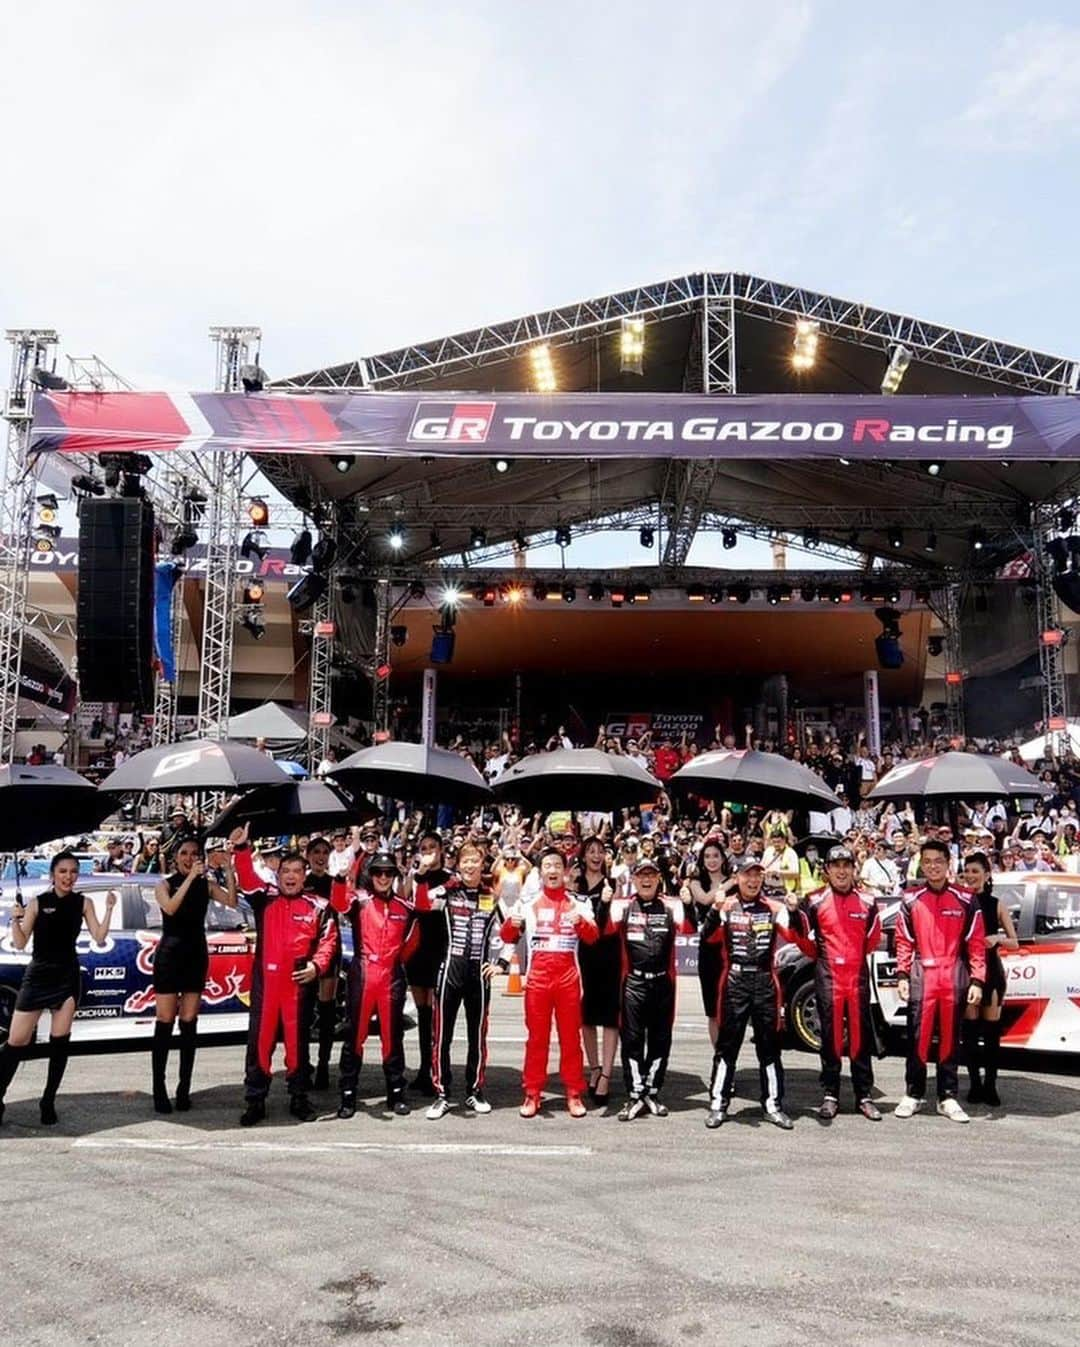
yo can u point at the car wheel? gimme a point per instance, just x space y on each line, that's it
7 1009
803 1017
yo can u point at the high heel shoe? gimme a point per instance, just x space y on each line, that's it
596 1075
596 1095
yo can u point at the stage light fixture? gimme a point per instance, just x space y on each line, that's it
728 539
253 545
254 592
896 538
772 594
932 469
252 622
539 591
739 594
543 369
488 595
399 635
935 646
931 542
252 377
646 535
47 508
596 592
342 462
300 551
434 541
521 543
569 594
502 465
716 593
307 590
977 538
45 537
805 344
417 589
88 485
477 537
618 598
640 594
323 553
695 593
808 593
811 538
1053 636
887 645
893 377
563 536
514 595
395 539
844 596
183 539
49 379
258 512
632 345
451 595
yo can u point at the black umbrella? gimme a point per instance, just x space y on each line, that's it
745 776
959 776
40 803
414 772
576 778
304 806
196 765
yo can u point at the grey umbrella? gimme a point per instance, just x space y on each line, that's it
195 765
576 778
745 776
303 806
416 772
959 776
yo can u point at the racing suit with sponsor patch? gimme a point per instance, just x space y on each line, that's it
554 923
647 930
748 993
941 949
289 933
839 931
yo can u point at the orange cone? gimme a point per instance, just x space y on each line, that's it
514 985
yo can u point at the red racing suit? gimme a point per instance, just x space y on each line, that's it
941 949
554 984
289 933
839 931
384 935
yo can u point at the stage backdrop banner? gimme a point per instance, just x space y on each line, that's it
597 425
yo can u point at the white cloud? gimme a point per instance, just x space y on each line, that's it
1032 92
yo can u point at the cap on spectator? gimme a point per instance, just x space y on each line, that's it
749 863
382 863
839 854
646 863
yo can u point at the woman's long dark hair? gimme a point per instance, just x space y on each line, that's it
704 877
981 858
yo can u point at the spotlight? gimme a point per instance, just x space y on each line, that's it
931 542
805 343
695 593
716 593
887 645
632 346
618 597
569 594
477 537
254 592
46 536
88 485
646 535
502 465
323 553
739 594
258 512
935 646
451 595
253 546
396 538
933 469
773 594
300 551
563 536
896 538
252 622
488 596
596 592
252 377
543 370
811 538
641 594
728 539
977 538
808 593
514 595
399 635
48 508
47 378
342 462
521 543
307 590
183 539
897 368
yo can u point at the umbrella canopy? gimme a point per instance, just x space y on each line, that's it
958 776
272 722
745 776
576 778
415 772
195 765
304 806
40 803
1040 747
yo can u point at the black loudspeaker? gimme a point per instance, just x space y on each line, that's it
115 624
1067 588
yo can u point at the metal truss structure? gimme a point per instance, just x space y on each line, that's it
222 546
949 611
320 685
1055 693
32 348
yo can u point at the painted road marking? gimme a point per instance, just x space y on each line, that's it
328 1147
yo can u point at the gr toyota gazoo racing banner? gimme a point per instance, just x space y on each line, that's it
563 425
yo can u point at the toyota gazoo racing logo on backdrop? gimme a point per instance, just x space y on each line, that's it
451 422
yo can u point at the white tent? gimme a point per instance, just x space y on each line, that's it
273 722
1037 748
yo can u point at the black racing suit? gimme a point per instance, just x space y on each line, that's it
647 930
473 918
749 992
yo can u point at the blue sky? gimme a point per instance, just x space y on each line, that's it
353 176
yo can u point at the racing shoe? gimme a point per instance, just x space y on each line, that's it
633 1108
991 1096
254 1113
300 1108
347 1107
717 1117
575 1106
950 1108
322 1077
907 1107
869 1110
655 1107
395 1104
476 1103
830 1107
530 1106
780 1119
439 1109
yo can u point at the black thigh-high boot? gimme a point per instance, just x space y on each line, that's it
327 1016
58 1060
969 1033
10 1057
159 1059
424 1019
188 1040
992 1051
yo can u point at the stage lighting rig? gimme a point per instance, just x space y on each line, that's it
86 484
935 646
253 377
716 593
887 645
399 635
695 593
896 538
184 539
812 538
254 592
932 469
395 538
897 368
252 622
502 465
258 512
253 545
477 537
739 593
977 538
728 539
48 379
342 462
300 550
569 594
632 346
647 535
323 553
805 344
563 536
596 592
543 369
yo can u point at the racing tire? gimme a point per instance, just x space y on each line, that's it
802 1016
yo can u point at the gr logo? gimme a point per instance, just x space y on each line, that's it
451 422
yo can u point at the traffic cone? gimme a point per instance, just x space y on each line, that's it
514 986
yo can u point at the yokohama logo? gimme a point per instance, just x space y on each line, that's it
451 422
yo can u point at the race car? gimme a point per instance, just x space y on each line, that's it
1041 1011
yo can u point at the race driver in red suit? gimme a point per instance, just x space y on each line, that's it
839 927
940 966
554 921
294 947
384 934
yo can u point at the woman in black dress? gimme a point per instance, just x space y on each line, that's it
181 962
422 968
703 890
984 1021
53 979
601 975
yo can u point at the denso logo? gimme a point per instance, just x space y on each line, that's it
451 422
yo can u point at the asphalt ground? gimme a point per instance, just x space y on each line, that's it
125 1228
